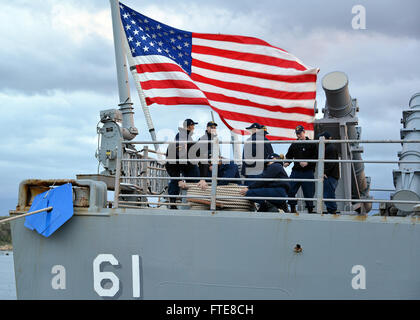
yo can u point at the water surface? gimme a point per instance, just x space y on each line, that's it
7 276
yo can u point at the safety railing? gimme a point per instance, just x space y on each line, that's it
156 175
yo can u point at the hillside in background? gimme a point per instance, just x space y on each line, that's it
5 234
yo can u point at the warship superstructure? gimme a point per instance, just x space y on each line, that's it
134 247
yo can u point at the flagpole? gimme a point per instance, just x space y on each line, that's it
142 98
128 129
212 116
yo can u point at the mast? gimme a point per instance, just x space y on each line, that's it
121 53
129 131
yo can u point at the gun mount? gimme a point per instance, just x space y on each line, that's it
407 176
340 120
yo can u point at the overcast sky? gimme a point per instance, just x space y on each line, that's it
57 71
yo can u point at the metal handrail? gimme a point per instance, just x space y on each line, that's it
274 160
273 141
223 179
276 198
318 180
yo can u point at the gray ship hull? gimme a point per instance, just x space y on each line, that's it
185 254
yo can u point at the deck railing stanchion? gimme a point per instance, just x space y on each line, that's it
320 175
117 175
215 165
145 168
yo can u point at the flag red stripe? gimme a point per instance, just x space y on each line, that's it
289 124
233 38
158 67
245 132
171 101
270 137
236 101
168 84
255 90
250 57
301 78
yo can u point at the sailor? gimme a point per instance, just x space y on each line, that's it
178 163
268 145
260 151
303 169
205 152
270 188
265 130
226 169
331 173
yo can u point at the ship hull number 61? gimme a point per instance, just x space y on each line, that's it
105 284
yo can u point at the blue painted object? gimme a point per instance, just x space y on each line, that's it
45 223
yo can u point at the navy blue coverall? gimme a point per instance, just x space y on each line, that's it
302 151
270 188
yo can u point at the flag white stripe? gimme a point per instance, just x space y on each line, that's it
245 48
174 92
164 75
152 59
155 59
273 131
261 112
250 66
308 104
258 82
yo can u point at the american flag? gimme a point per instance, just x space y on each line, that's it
243 79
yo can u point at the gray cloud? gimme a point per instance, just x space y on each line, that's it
301 17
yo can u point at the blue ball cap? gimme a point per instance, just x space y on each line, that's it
265 129
299 129
188 122
325 134
211 124
273 156
255 125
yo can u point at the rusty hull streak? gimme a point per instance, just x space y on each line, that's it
32 187
415 220
360 217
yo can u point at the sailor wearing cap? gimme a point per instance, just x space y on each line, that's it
252 151
225 169
270 188
205 149
331 173
303 169
178 162
265 130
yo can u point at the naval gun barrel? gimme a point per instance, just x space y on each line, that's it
340 120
